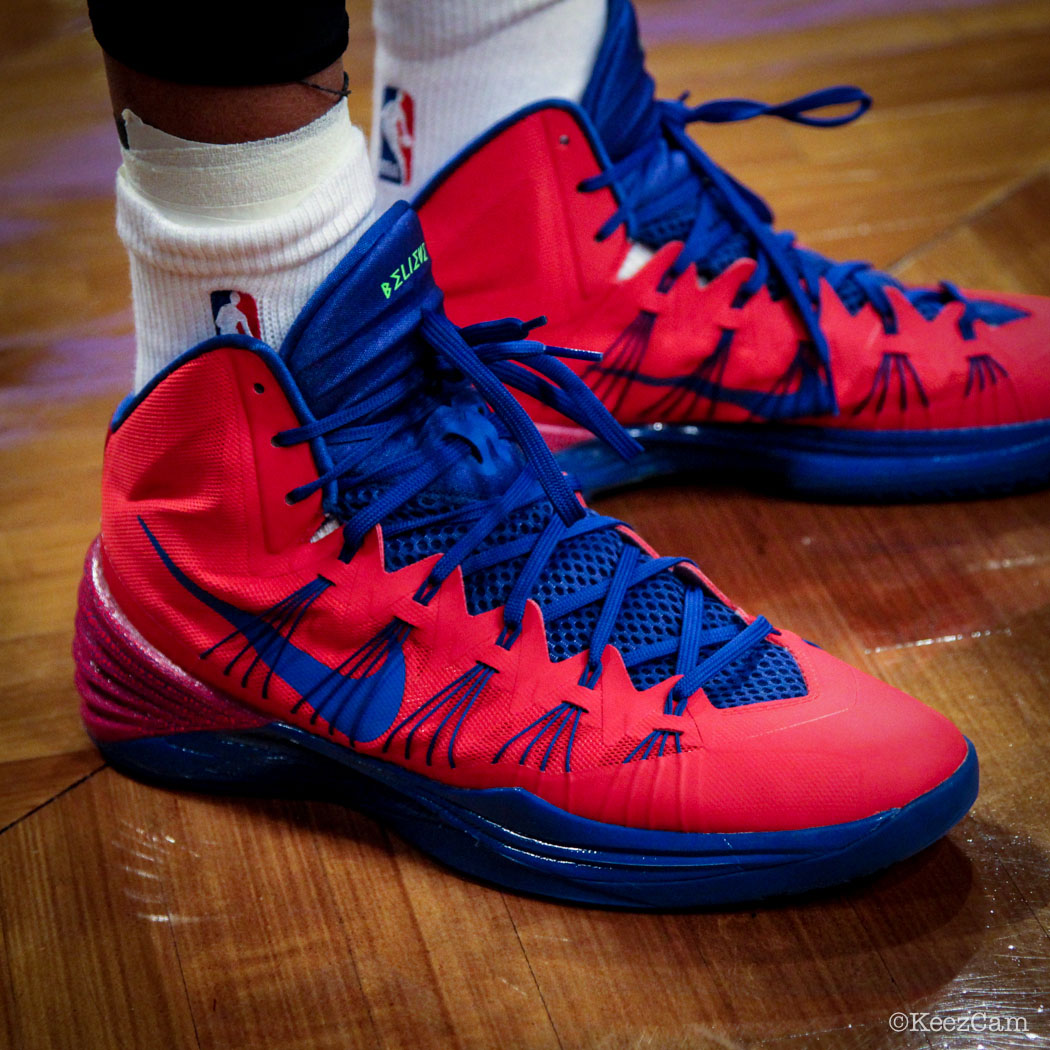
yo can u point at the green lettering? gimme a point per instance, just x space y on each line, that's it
401 275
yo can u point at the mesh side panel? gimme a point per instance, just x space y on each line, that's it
579 563
569 635
668 173
415 544
994 313
491 588
650 612
653 612
421 543
852 295
674 226
724 255
646 675
716 614
768 672
928 308
484 590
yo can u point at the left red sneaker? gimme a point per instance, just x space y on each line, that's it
724 342
351 567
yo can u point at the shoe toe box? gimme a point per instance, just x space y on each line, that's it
851 748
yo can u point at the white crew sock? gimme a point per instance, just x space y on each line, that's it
447 70
237 237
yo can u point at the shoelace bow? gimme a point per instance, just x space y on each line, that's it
493 356
725 208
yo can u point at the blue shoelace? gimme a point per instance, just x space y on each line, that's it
667 186
435 405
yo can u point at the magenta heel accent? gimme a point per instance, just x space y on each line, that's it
128 688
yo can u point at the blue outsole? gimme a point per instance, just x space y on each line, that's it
828 463
514 839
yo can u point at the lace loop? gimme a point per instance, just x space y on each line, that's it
796 110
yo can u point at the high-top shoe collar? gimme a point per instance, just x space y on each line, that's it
363 318
358 342
620 86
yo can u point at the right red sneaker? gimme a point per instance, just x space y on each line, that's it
725 345
353 567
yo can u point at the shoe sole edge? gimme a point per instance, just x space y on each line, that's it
514 839
821 463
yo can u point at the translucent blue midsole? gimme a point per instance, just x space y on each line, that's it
511 837
828 462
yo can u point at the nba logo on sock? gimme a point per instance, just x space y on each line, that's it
235 313
396 129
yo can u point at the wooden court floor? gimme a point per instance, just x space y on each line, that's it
138 918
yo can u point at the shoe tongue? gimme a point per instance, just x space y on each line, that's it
620 95
621 101
358 336
359 327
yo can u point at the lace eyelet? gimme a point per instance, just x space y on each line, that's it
258 388
509 635
591 673
426 591
563 140
666 283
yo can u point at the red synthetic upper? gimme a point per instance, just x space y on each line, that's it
511 233
194 462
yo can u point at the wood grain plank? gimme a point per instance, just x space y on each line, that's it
1006 246
89 966
39 716
30 783
736 978
8 1019
440 959
264 960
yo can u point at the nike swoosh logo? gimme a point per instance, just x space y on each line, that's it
760 403
363 708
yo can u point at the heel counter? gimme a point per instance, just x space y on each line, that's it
128 688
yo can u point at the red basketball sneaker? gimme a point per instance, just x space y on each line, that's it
725 343
353 567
